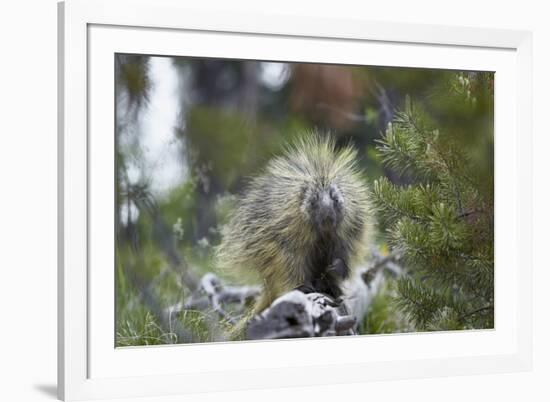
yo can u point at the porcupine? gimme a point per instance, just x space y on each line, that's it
302 223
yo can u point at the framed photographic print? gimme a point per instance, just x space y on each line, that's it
252 201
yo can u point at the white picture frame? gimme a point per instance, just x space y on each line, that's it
90 367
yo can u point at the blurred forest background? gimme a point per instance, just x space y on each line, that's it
189 132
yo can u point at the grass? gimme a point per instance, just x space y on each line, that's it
383 317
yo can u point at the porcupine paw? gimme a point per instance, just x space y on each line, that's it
306 288
339 268
336 301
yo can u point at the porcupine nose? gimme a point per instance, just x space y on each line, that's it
327 215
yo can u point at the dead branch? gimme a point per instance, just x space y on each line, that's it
296 314
213 295
299 315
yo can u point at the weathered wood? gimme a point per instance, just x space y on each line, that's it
212 294
296 314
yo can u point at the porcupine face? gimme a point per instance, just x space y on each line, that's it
324 207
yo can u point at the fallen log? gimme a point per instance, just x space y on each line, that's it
297 315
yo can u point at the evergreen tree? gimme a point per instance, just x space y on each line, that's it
441 221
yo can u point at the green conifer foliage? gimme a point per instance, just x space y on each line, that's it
439 217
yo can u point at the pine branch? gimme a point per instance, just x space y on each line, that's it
477 311
441 225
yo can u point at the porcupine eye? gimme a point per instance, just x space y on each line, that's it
336 196
309 200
